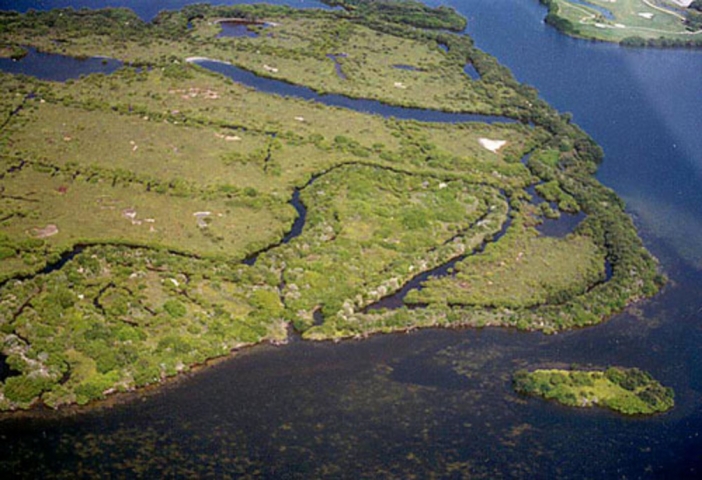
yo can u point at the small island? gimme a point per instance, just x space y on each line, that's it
632 23
629 391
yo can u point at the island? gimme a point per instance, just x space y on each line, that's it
632 23
629 391
226 176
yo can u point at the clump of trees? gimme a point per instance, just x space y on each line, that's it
407 12
625 390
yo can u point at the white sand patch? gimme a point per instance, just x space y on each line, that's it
619 25
49 231
399 85
600 25
200 218
200 59
228 138
129 213
646 15
492 145
268 68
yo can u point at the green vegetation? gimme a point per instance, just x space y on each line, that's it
635 23
116 318
129 202
625 390
522 269
408 12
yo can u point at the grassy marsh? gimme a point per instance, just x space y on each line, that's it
124 163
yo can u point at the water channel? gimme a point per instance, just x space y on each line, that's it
279 87
439 401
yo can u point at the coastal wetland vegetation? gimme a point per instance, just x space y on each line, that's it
164 215
629 391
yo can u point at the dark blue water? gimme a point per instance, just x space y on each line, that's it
236 30
439 402
48 66
642 105
471 71
279 87
337 66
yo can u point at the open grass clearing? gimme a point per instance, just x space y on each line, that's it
60 135
86 212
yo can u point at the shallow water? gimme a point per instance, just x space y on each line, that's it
236 30
48 66
439 401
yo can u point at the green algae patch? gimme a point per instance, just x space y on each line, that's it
629 391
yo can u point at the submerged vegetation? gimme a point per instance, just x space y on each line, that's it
625 390
164 215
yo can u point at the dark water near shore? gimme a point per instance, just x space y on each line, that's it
439 401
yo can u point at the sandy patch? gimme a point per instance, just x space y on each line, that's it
129 213
268 68
399 85
492 145
200 217
49 231
201 59
646 15
619 25
195 92
228 138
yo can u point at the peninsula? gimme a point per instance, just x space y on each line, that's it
632 23
329 174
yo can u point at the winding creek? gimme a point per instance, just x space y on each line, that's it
436 400
397 299
279 87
